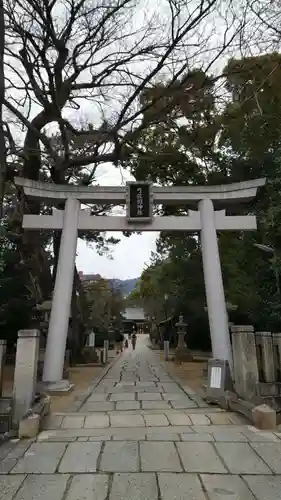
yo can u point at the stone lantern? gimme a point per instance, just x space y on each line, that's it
182 353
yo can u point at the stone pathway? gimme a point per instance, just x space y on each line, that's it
139 435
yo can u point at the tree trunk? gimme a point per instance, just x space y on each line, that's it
31 253
3 165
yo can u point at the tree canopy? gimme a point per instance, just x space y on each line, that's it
216 144
158 89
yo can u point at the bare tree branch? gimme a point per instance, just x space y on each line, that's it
106 51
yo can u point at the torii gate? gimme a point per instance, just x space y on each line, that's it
139 197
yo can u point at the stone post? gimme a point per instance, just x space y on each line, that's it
59 319
277 355
111 335
181 352
267 355
166 350
25 372
218 320
3 344
92 339
246 374
105 351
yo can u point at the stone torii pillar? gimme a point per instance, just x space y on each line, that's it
216 306
61 304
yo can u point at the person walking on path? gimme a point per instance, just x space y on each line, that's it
119 338
134 340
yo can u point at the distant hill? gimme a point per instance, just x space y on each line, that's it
125 286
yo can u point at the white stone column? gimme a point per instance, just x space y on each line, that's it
61 303
25 377
3 345
217 313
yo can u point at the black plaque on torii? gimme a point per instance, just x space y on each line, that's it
139 201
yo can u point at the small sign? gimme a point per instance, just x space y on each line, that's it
139 201
215 377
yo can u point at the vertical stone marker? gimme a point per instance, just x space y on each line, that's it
166 350
92 339
3 344
246 372
277 354
25 372
105 351
266 343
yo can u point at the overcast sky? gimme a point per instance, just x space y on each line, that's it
130 255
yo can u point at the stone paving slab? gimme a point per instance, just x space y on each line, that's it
130 435
125 384
97 397
254 435
98 406
155 420
9 486
219 418
228 435
81 457
134 487
159 456
157 436
225 487
5 448
53 422
127 405
155 405
43 487
180 487
240 458
197 419
96 420
179 419
72 422
40 458
148 396
126 421
181 404
19 448
197 437
170 396
120 456
88 487
200 457
122 396
264 487
271 455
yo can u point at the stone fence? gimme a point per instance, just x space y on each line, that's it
29 402
257 363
